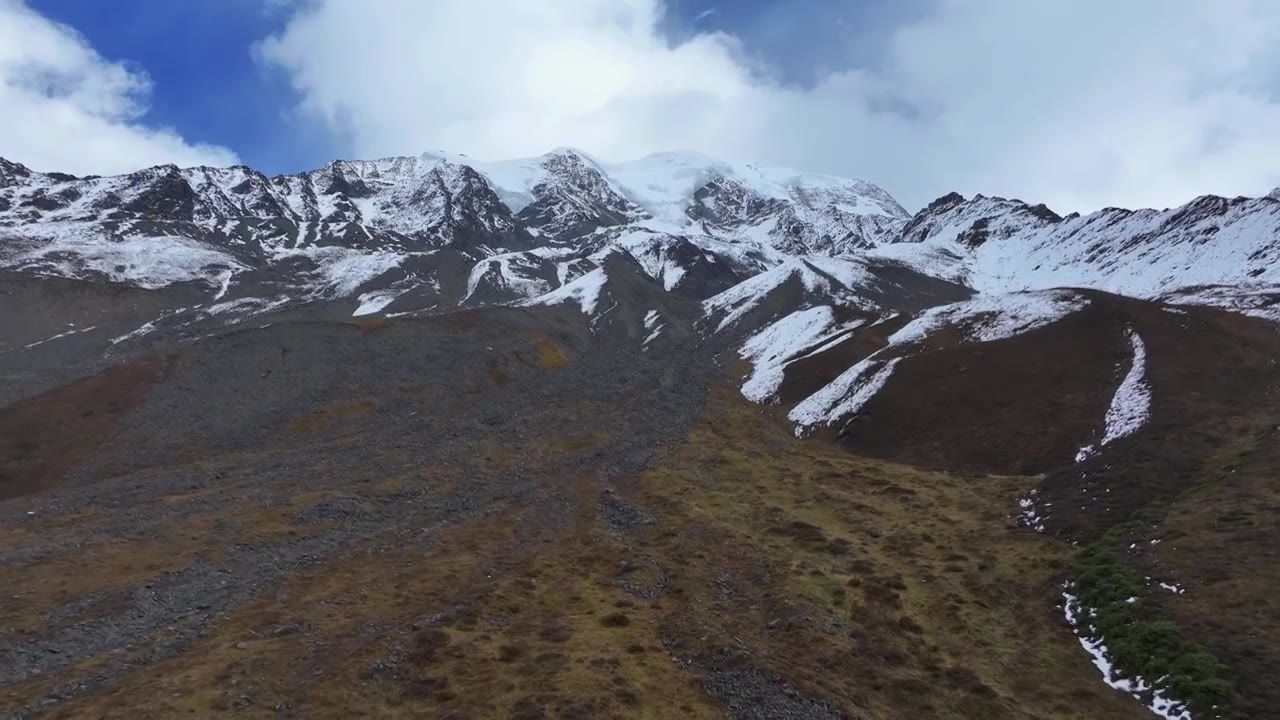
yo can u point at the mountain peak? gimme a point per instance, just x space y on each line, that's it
11 172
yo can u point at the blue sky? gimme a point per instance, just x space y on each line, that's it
208 86
1079 104
206 83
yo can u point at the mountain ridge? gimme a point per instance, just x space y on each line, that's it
436 200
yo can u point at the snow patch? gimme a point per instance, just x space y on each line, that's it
74 250
341 271
514 272
1030 515
373 302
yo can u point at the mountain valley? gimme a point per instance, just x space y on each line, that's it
677 437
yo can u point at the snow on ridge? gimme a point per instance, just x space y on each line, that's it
664 184
1131 405
945 261
815 273
512 180
1261 300
994 316
988 317
651 251
1141 253
585 291
772 348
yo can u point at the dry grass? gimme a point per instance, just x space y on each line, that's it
44 437
322 419
105 566
890 592
550 356
369 325
901 592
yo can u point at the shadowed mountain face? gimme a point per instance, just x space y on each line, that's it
558 437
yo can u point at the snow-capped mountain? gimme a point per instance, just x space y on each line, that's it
341 228
1066 366
441 230
995 244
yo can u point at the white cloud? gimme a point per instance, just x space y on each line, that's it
64 107
1078 104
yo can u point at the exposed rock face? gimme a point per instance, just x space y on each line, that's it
365 229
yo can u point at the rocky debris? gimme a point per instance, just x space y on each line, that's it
633 574
749 694
620 515
129 480
331 510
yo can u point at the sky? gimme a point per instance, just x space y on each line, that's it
1081 104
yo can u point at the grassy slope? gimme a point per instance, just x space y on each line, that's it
879 588
885 591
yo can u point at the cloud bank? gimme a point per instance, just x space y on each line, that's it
1079 104
64 107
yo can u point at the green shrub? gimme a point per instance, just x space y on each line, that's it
1139 641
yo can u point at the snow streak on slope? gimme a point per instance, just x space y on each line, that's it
1131 405
585 291
73 331
985 318
653 325
845 396
770 349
